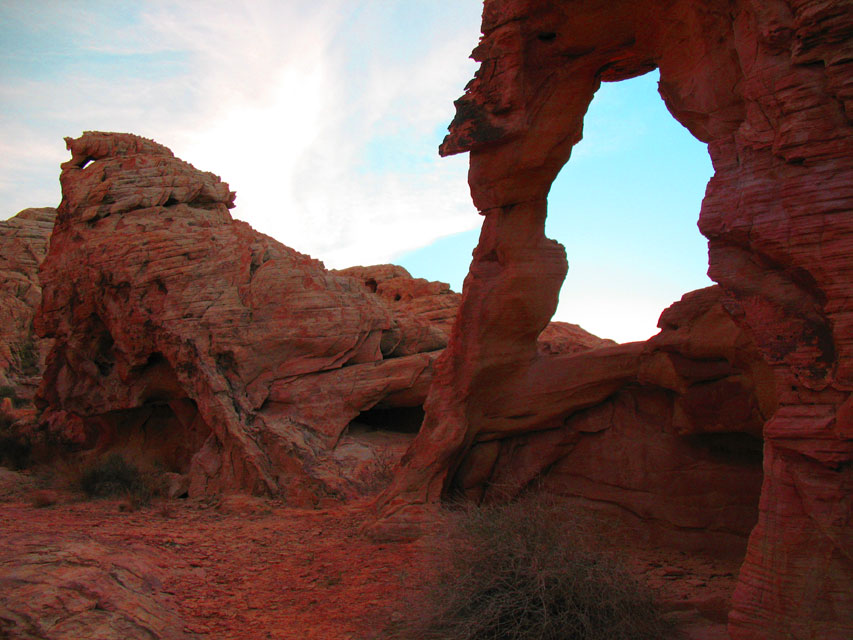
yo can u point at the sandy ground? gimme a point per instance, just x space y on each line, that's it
251 568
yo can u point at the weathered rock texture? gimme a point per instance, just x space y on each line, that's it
435 303
769 87
23 245
676 449
82 589
432 302
194 341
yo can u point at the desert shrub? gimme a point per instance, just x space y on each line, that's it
115 476
14 454
521 571
378 474
14 450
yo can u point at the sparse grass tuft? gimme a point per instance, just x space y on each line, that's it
523 571
379 473
28 357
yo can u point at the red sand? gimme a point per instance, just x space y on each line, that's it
250 568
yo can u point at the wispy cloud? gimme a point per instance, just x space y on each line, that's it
323 116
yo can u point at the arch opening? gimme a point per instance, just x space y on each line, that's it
669 443
625 208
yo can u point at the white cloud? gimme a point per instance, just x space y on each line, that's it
286 101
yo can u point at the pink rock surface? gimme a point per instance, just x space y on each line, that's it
432 302
769 87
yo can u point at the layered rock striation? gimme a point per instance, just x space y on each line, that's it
664 435
188 340
768 86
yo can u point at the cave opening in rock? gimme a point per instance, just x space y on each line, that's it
732 448
375 441
404 420
625 207
161 435
161 428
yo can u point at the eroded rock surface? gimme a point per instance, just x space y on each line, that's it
769 87
192 340
79 588
432 302
24 240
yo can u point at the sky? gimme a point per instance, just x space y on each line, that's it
325 117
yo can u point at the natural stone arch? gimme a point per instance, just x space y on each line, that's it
767 87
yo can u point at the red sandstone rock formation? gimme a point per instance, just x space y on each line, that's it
186 338
23 245
432 302
189 338
565 337
769 87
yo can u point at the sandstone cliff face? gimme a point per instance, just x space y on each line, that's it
193 340
23 245
769 87
432 302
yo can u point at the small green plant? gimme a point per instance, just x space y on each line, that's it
113 476
523 571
